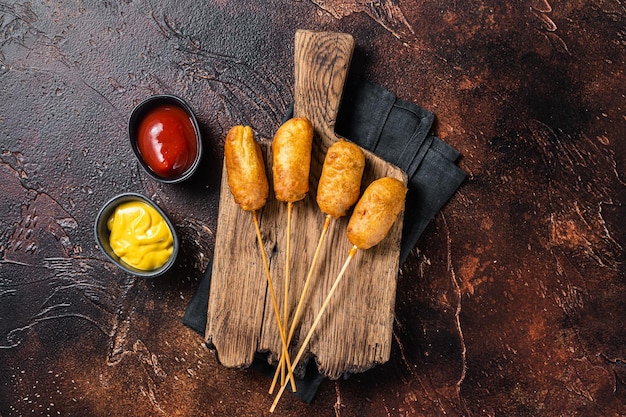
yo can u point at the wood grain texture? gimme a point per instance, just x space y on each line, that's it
356 332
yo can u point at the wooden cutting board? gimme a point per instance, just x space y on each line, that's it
355 333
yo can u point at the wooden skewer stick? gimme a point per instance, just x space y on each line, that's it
305 289
287 279
281 329
351 254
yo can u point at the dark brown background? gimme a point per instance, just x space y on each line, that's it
513 302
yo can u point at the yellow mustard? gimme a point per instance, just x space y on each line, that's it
140 236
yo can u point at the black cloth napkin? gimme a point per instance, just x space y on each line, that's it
400 132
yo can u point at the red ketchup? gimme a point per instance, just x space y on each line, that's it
167 140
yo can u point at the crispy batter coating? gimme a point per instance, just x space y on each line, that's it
376 212
245 168
292 159
340 183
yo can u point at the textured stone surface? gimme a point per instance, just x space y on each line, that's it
512 303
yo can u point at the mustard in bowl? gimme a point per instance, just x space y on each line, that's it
136 235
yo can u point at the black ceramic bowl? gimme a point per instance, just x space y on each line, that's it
102 234
142 110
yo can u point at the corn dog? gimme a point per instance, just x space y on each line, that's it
338 189
248 185
376 212
291 149
245 168
340 183
292 159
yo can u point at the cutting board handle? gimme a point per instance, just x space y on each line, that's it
322 60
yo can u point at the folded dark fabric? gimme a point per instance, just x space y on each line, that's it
195 315
399 132
378 121
307 386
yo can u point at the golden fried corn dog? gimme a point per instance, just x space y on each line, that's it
337 191
245 168
376 212
291 150
248 184
292 159
340 183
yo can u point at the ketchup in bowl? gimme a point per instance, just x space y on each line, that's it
165 136
167 141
